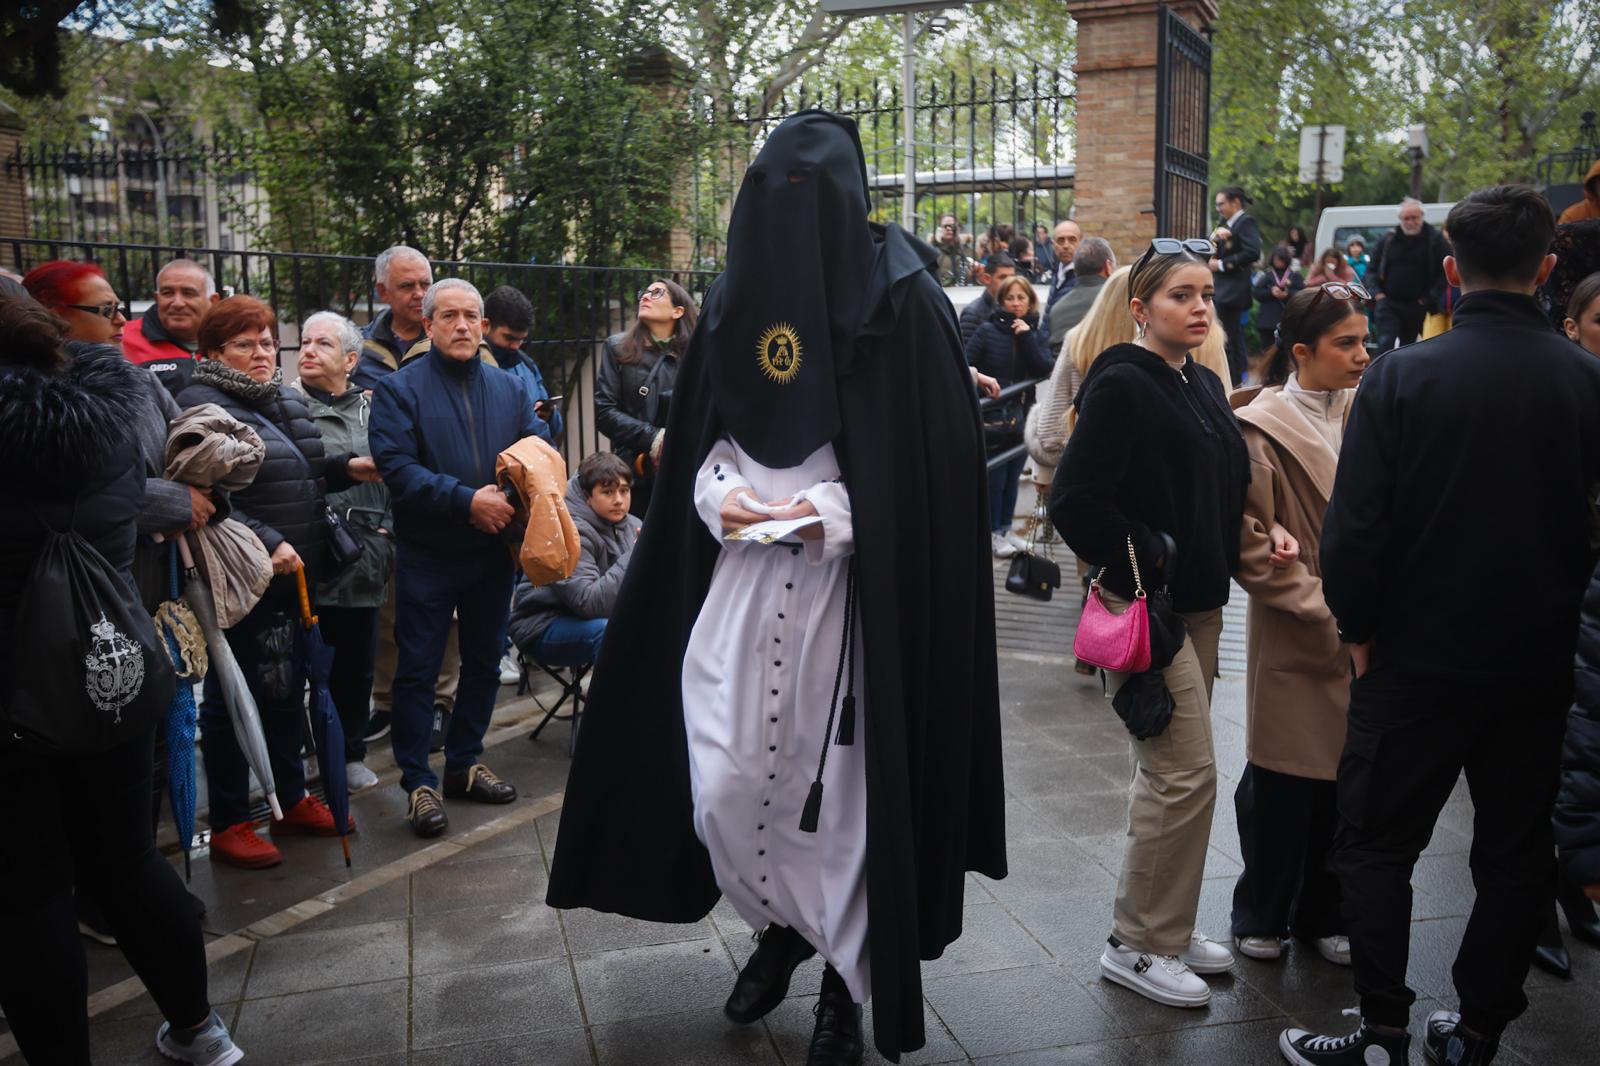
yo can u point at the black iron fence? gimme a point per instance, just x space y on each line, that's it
990 150
575 307
181 190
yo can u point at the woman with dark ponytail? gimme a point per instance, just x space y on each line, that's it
1298 673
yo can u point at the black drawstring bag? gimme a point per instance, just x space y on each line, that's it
87 670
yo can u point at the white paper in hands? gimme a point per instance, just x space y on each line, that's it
772 531
775 530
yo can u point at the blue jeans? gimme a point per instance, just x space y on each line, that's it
264 644
569 642
430 586
1003 485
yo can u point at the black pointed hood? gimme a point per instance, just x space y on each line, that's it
781 323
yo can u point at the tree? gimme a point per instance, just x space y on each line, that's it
1502 83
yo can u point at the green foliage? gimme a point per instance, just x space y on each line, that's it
1497 83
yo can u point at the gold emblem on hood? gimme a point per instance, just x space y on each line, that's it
778 352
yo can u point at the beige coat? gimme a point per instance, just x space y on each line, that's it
1298 680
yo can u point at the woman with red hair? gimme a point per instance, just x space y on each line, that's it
238 371
81 295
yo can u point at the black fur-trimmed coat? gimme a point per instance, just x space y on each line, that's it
71 457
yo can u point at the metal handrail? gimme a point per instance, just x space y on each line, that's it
1016 389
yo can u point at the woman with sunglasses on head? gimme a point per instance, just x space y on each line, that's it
1155 474
633 387
1297 685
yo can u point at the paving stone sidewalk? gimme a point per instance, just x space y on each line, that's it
459 961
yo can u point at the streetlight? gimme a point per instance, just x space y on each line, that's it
1417 149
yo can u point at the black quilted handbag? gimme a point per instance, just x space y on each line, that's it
1033 570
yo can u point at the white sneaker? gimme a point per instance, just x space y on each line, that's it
1207 956
1003 548
1163 978
1016 541
358 777
1336 949
1259 947
510 672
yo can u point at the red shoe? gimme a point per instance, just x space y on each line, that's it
311 818
238 845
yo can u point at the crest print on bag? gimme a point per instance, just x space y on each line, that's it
778 351
113 668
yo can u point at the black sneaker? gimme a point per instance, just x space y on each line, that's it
441 727
377 726
1364 1047
426 812
1445 1044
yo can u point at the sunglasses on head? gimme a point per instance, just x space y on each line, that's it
1172 246
1339 290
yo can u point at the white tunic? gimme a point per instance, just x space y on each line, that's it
758 676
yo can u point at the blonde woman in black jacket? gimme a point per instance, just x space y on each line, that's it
1156 469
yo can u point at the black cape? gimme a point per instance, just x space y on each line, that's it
910 450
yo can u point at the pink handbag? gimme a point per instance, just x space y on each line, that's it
1116 642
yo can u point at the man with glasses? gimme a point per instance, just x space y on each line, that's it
1238 247
401 275
165 338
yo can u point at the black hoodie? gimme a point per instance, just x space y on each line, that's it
1155 450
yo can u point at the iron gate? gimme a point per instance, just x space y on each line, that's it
1183 126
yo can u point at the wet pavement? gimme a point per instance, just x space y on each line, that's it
433 953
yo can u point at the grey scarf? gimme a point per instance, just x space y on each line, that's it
236 382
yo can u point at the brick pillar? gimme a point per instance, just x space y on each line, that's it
666 76
13 187
1114 186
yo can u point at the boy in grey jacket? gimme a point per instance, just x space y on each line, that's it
562 624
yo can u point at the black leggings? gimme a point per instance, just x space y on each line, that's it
85 823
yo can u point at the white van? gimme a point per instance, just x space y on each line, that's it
1367 221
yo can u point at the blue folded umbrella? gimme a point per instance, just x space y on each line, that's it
180 724
327 733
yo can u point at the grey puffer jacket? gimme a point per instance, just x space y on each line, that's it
342 422
591 591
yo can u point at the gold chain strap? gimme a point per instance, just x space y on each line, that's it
1138 582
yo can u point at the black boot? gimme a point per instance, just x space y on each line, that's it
1448 1044
764 981
1550 954
836 1041
1580 913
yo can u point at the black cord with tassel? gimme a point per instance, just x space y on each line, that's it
812 811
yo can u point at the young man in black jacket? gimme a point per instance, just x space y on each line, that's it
1480 445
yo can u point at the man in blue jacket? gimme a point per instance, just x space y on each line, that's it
437 425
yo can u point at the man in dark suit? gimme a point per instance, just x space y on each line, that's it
1236 257
1481 443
